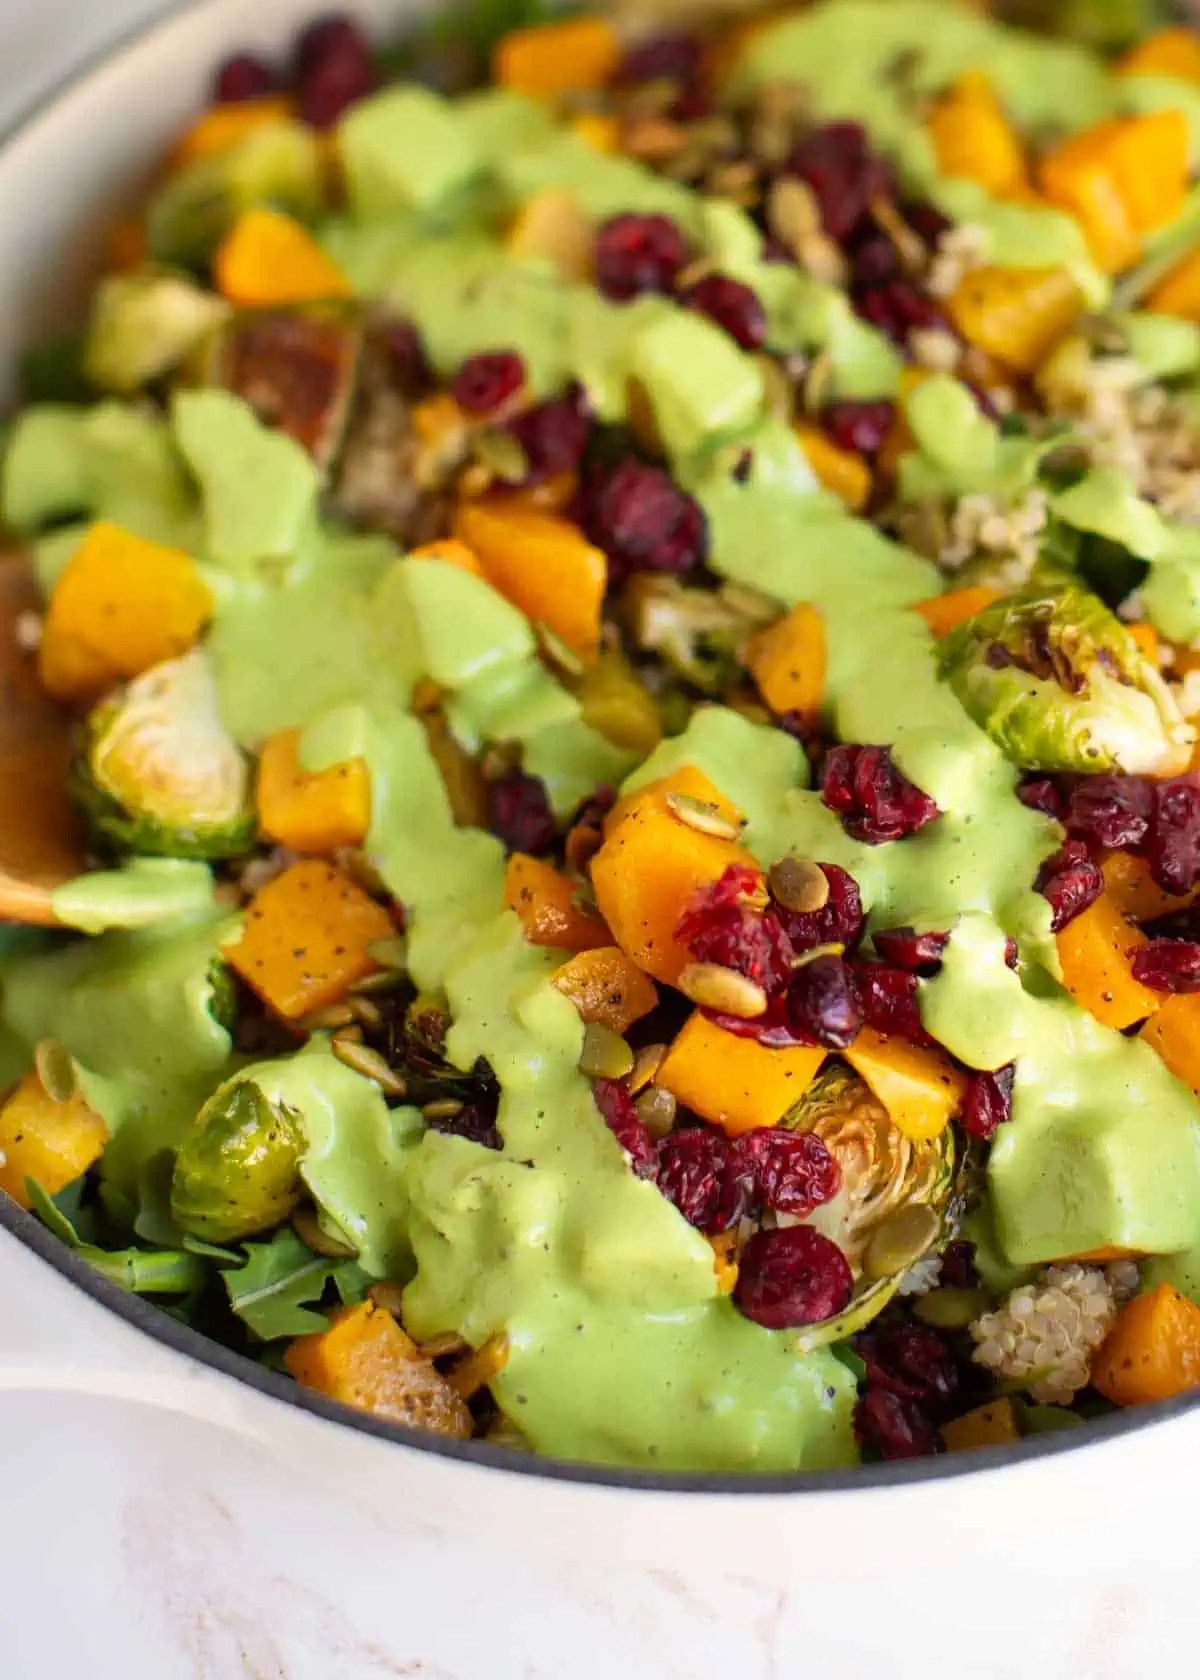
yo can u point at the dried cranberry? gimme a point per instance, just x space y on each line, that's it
476 1122
1172 848
896 308
844 174
737 883
1042 794
894 1427
691 104
775 1029
751 942
838 922
519 812
988 1102
873 260
1111 811
553 435
341 74
958 1266
926 221
732 306
636 254
914 1361
244 77
1069 881
791 1277
859 426
874 799
400 342
487 380
1012 955
889 1001
697 1173
332 38
823 1003
644 522
790 1172
616 1105
664 58
1168 965
904 947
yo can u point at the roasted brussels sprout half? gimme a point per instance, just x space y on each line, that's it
297 368
1059 683
278 164
237 1171
696 632
156 772
900 1200
143 325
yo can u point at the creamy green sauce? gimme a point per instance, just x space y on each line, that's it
621 1348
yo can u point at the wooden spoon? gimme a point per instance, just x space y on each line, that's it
40 843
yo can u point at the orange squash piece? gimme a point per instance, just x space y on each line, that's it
574 56
450 552
973 138
1016 315
688 780
735 1082
121 605
843 471
365 1359
921 1088
551 225
943 612
1152 1351
305 938
268 258
993 1425
607 987
312 812
787 661
222 126
1171 52
1134 891
543 564
650 865
1121 180
1096 951
544 899
1178 292
602 134
1174 1031
52 1142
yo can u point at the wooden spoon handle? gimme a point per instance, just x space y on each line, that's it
40 844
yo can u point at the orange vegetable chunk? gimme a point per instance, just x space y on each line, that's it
366 1359
1174 1031
121 605
602 134
544 899
1178 292
269 258
305 938
973 138
450 552
312 812
1121 180
52 1142
607 987
551 225
1152 1352
843 471
787 661
650 865
1171 52
1135 892
725 1262
735 1082
943 612
1095 951
543 564
921 1088
993 1425
1016 315
222 126
549 59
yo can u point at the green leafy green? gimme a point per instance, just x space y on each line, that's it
278 1289
142 1271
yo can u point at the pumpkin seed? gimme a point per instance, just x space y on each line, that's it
799 885
308 1228
910 247
656 1110
703 816
900 1240
442 1346
557 651
653 139
328 1019
365 1012
605 1054
445 1108
353 1034
951 1309
389 1296
370 1064
646 1065
816 383
55 1069
793 211
750 603
714 987
384 980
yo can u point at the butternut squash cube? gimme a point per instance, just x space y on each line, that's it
543 564
787 661
268 258
1171 52
1152 1351
52 1142
921 1088
311 812
544 899
365 1359
222 126
550 59
973 138
735 1082
1134 891
843 471
993 1425
1174 1031
1178 292
607 988
1096 952
1016 315
943 612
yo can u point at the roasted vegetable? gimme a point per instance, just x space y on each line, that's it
50 1141
787 661
222 126
1016 315
920 1086
618 705
1170 52
366 1360
143 325
312 812
157 773
606 987
1059 684
735 1082
547 903
1121 180
237 1168
543 564
973 137
1096 951
1152 1352
1174 1032
572 56
268 258
843 471
993 1425
943 612
696 632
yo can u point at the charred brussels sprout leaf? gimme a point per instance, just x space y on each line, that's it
156 772
143 325
279 164
223 996
237 1169
1059 684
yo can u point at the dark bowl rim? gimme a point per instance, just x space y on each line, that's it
143 1316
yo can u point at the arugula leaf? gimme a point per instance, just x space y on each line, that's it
142 1271
278 1289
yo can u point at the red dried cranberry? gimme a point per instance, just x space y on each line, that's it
1069 881
331 38
775 1028
904 947
874 799
591 812
1172 848
988 1102
733 307
691 105
738 882
750 942
958 1266
873 260
896 308
823 1003
487 380
645 522
838 922
790 1172
664 58
912 1360
925 220
1042 794
889 1001
843 173
244 77
519 812
621 1117
791 1277
553 435
895 1428
401 342
335 83
1012 955
476 1122
636 254
1168 965
1111 811
859 426
697 1174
